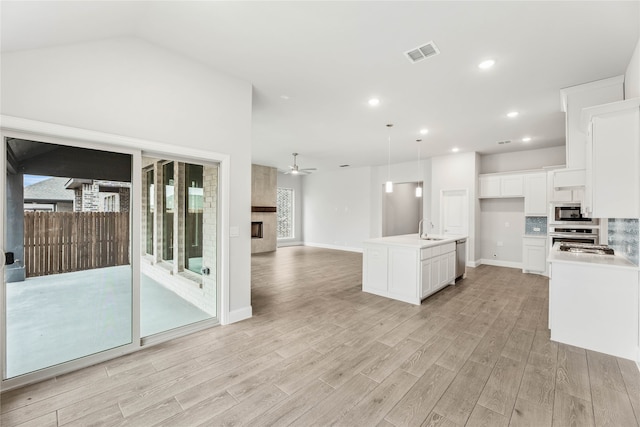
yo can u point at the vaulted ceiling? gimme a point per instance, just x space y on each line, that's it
315 65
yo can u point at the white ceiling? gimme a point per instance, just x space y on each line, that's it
329 58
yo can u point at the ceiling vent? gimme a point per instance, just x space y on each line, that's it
422 52
504 142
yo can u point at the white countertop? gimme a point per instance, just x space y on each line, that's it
413 241
617 261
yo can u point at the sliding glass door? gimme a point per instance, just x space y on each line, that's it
69 291
179 285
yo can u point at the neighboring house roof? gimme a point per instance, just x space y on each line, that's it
52 189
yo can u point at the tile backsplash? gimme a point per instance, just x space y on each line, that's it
624 237
532 222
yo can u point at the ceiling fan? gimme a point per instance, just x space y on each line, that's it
295 170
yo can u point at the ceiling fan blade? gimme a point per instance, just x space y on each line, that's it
309 169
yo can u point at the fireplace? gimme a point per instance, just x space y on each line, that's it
256 229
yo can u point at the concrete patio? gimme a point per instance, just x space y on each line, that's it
57 318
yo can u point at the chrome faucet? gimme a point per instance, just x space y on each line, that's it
421 233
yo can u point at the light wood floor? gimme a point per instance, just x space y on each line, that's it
318 351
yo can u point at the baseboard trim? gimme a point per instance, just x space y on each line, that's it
285 244
239 314
338 248
473 264
498 263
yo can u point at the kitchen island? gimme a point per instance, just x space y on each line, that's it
407 268
594 302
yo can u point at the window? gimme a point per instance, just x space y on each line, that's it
284 203
168 180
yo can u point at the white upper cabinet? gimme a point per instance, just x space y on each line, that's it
574 99
575 194
613 160
494 186
512 186
535 194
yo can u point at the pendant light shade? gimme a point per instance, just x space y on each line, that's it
388 186
419 191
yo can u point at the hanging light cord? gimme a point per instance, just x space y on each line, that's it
389 160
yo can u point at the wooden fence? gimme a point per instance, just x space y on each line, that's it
61 242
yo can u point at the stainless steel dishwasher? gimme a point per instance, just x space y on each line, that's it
461 257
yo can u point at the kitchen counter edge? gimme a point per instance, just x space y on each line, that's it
413 241
614 261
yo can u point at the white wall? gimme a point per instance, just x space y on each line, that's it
295 182
456 172
523 160
632 76
501 230
129 87
336 208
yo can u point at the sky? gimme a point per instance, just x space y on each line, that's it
32 179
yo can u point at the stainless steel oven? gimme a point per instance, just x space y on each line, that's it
575 234
569 214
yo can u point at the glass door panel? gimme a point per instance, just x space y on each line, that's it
69 291
180 288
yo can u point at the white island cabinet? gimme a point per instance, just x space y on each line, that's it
407 268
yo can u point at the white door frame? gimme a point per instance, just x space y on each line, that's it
64 135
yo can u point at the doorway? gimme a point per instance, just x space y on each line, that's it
179 283
401 209
69 290
75 293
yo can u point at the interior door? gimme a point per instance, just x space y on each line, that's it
455 212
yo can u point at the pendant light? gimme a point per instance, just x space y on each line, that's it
419 187
388 186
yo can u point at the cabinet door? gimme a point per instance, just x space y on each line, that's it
535 194
534 258
444 270
375 268
451 267
426 278
511 186
435 273
403 271
489 186
615 179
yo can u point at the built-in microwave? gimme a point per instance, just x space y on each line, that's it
569 213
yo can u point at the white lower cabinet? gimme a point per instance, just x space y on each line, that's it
534 255
405 273
595 307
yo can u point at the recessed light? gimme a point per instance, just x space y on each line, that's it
512 114
486 64
285 97
526 139
455 149
374 101
424 131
